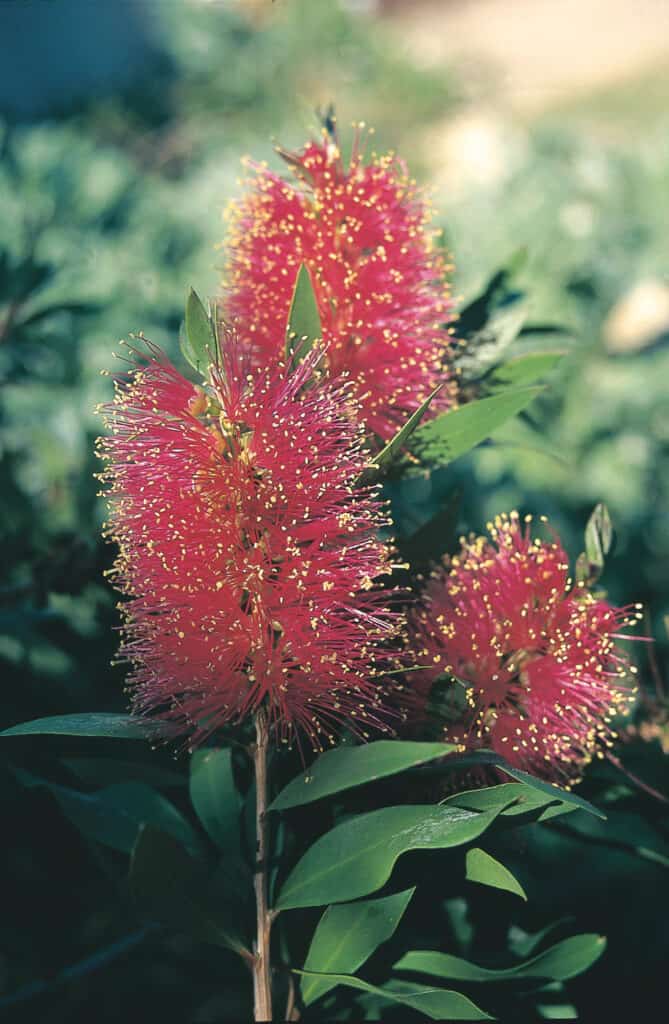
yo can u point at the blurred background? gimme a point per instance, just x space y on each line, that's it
542 128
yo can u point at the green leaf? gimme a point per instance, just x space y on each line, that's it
498 294
347 935
346 767
563 795
480 758
523 370
357 856
122 727
215 797
485 870
114 816
516 798
598 535
304 322
598 541
562 961
453 433
145 805
170 887
105 771
198 341
623 830
399 441
435 1003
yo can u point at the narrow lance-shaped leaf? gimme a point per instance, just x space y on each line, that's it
562 961
198 341
346 767
523 370
435 1003
486 870
357 856
401 438
518 798
598 541
304 323
347 935
453 433
112 726
487 758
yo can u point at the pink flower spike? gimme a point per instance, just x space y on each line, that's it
362 232
537 655
247 556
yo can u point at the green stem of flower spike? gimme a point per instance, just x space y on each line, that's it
262 977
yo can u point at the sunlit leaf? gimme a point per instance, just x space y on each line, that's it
357 856
486 870
346 767
523 370
198 341
304 323
454 433
487 758
393 448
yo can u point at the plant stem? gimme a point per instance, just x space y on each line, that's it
262 980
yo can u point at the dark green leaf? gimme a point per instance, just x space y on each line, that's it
435 1003
105 771
346 767
198 341
453 433
94 724
215 797
347 935
146 806
485 870
564 960
497 293
524 370
113 816
171 888
434 538
304 323
357 856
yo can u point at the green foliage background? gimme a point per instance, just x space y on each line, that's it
109 210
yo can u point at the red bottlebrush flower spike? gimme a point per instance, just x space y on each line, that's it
362 232
537 656
246 553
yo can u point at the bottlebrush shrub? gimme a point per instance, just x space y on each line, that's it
537 655
362 232
247 555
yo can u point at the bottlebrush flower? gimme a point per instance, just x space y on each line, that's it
362 232
246 553
537 655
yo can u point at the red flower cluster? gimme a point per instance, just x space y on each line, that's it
247 554
542 674
362 232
